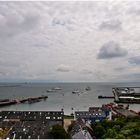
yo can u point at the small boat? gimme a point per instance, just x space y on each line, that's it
87 88
57 88
75 91
50 90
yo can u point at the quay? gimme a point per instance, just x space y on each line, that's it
126 95
15 101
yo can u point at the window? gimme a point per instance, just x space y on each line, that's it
47 117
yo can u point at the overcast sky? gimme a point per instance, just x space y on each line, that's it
70 41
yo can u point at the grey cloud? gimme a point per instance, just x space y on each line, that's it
14 24
134 9
120 68
3 73
63 68
64 21
111 25
133 76
85 71
41 45
111 49
134 60
56 21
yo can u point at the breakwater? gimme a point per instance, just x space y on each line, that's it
6 102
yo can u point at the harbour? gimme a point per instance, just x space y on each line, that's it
63 98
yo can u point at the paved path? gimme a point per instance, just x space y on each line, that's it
67 122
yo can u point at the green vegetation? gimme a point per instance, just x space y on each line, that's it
120 128
68 117
3 132
58 132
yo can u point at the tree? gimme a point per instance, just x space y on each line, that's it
58 132
120 136
111 133
99 131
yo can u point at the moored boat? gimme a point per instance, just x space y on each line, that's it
75 91
87 88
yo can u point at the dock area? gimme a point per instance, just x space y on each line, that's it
23 100
129 95
121 110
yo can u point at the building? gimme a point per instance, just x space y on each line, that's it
79 130
30 124
94 114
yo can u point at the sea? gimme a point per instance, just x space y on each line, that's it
61 99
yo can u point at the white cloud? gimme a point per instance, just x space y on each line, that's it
56 41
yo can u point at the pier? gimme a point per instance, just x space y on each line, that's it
15 101
104 97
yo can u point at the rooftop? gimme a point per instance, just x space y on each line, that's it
30 124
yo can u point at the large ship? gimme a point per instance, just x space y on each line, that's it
126 94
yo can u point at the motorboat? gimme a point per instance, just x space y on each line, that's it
50 90
75 91
57 88
87 88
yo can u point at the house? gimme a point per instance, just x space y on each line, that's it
79 130
94 114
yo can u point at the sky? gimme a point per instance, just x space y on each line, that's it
95 41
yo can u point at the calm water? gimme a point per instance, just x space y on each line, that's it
63 98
